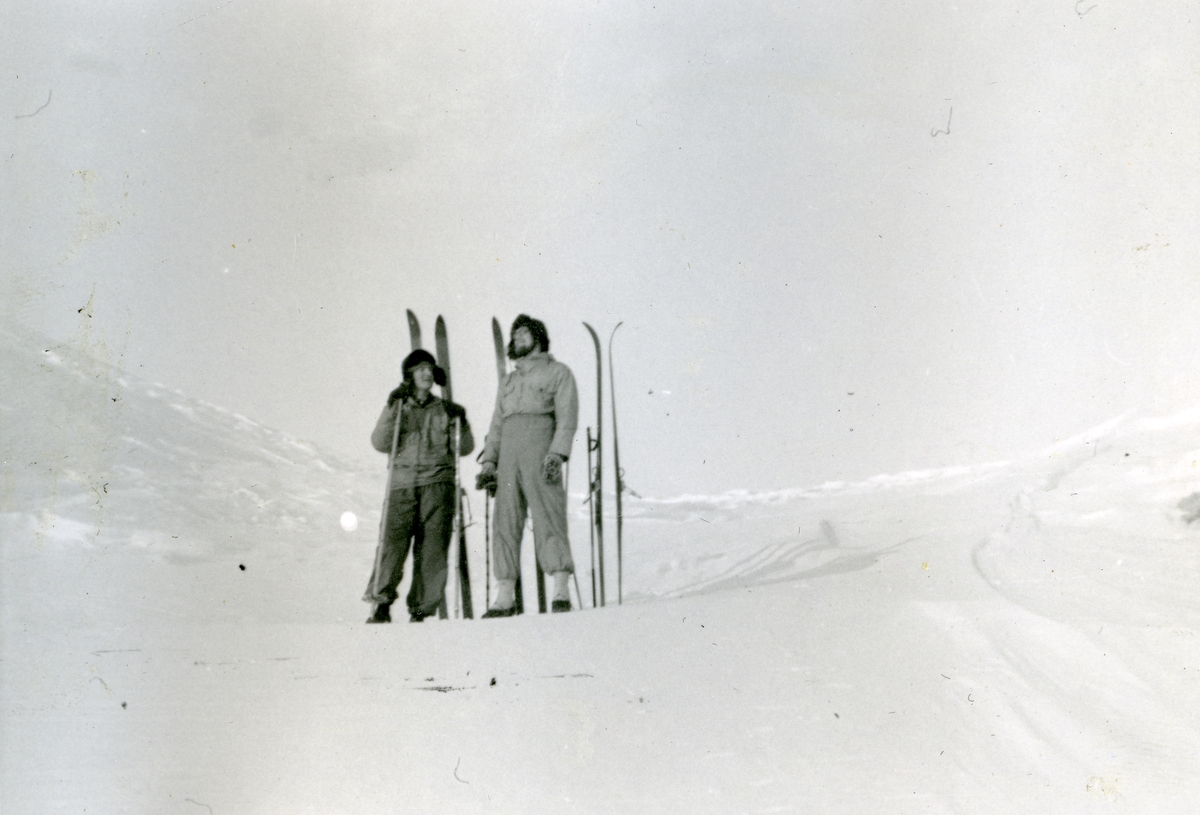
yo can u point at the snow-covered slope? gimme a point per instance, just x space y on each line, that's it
98 464
94 456
182 633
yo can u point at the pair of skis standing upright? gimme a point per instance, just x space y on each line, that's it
596 472
595 483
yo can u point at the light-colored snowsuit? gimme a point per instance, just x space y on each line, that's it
421 503
537 412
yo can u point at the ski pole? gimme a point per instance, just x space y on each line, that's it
566 492
591 520
464 571
387 498
487 552
456 530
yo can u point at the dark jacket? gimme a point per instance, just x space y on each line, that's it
424 451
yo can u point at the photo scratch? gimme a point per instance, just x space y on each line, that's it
198 16
49 96
935 132
1114 357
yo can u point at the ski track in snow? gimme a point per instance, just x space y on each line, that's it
182 624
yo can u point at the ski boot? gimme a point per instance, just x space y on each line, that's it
382 613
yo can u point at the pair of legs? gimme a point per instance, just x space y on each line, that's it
424 517
521 491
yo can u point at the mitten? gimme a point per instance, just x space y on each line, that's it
552 468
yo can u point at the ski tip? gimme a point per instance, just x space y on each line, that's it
414 329
610 340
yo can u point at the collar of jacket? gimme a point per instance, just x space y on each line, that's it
432 400
528 361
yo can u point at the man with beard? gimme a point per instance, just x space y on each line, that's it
420 504
533 428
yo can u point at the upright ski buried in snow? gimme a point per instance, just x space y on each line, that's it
464 573
612 392
596 482
501 372
414 330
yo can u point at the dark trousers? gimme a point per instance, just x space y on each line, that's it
424 518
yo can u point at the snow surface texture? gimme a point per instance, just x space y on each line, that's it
182 633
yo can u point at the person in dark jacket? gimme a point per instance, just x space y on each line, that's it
419 432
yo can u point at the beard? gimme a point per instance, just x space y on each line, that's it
516 353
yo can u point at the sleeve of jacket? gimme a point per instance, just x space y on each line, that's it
381 437
491 442
566 413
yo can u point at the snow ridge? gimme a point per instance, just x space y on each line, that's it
88 446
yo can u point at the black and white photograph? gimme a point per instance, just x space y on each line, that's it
598 408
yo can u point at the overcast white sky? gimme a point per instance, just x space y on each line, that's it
844 238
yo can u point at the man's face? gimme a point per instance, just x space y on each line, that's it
423 377
523 341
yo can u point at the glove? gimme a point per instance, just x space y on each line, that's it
455 411
552 468
486 480
403 392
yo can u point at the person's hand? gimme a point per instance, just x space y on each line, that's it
552 468
486 480
455 410
402 392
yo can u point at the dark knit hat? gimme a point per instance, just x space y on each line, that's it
536 327
419 357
